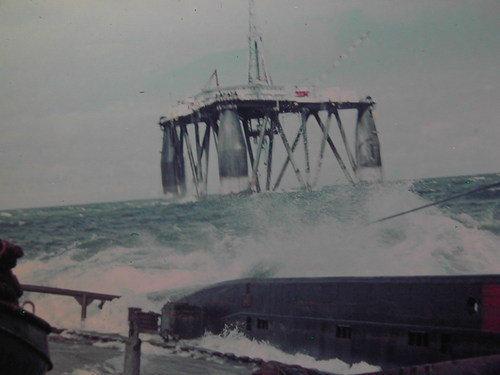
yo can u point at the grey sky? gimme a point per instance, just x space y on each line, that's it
75 127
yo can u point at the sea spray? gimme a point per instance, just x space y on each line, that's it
234 341
150 252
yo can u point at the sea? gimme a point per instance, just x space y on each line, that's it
151 251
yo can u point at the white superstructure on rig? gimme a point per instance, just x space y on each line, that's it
237 114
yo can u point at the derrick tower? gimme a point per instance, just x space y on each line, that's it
257 69
244 121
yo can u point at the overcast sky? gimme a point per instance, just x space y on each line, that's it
83 83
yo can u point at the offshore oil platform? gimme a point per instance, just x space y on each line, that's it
244 121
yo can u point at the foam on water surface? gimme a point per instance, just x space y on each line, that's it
149 252
233 341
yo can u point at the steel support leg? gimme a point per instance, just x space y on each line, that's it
326 131
270 157
335 152
289 151
246 131
255 166
304 117
205 149
191 161
285 165
198 151
344 139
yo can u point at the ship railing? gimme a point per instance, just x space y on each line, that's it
84 298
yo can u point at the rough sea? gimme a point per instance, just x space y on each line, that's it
148 251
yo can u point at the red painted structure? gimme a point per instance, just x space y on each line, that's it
491 308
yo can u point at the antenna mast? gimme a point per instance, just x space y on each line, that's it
257 70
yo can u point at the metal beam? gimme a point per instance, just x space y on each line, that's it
289 151
262 133
337 155
191 161
84 298
269 157
285 165
246 130
206 149
344 139
326 131
304 116
198 151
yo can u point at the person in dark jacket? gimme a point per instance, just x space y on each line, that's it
10 289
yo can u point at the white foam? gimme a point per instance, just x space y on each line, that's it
370 174
234 185
421 243
235 342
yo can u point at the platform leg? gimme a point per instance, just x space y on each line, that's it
290 153
198 151
367 146
335 152
205 149
326 131
344 139
232 153
269 158
180 172
194 169
285 165
246 130
255 166
168 160
304 116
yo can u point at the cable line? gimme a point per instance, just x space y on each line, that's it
486 187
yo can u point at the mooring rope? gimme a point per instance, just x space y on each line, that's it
473 191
